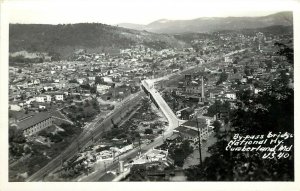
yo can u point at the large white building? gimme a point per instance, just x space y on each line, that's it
40 99
43 98
102 88
59 97
15 107
231 95
189 130
227 59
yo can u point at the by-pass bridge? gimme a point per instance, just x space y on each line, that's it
157 99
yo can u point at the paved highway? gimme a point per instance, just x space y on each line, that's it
164 107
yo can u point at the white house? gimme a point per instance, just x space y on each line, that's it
47 88
243 80
36 81
107 79
40 98
227 59
59 97
257 90
42 107
230 95
102 88
48 98
30 100
80 81
15 107
92 78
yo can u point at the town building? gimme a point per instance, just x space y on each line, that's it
59 97
189 130
102 89
32 124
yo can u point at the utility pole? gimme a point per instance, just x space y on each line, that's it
61 165
199 143
140 145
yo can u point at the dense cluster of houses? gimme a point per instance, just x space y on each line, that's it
251 69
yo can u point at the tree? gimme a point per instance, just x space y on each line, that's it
269 64
54 56
93 90
286 51
247 71
217 126
16 141
179 157
85 86
181 153
98 80
223 78
217 107
16 135
234 70
148 131
235 61
154 65
87 104
73 81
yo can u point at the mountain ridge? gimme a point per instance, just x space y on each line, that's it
64 39
212 24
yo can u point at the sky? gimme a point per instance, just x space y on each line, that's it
135 11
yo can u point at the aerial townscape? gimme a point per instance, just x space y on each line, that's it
161 102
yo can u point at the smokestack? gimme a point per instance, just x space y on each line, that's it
202 92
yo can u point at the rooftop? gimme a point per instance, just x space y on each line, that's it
31 120
193 123
187 131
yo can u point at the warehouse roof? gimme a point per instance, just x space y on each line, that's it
32 120
187 131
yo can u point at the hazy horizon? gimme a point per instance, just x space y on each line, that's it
115 12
